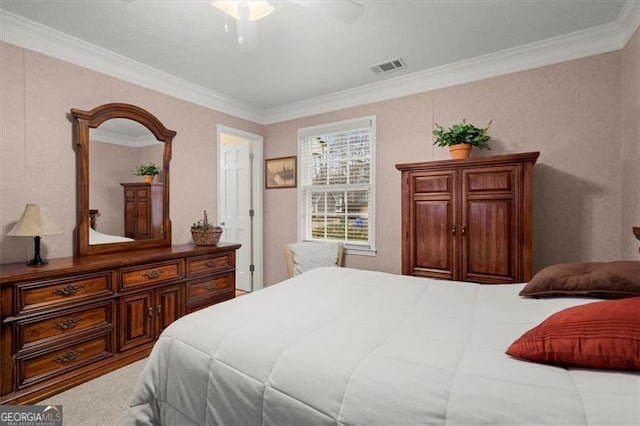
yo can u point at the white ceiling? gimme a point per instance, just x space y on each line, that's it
306 61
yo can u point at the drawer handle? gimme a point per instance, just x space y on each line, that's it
211 264
151 275
211 286
69 290
68 356
68 323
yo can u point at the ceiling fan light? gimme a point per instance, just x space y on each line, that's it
258 9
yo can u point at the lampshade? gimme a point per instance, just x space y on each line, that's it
33 223
258 9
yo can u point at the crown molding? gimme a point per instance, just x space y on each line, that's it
580 44
22 32
15 29
629 20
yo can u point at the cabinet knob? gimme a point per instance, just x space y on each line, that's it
159 308
464 230
453 230
150 311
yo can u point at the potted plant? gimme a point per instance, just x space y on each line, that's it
461 137
147 171
204 233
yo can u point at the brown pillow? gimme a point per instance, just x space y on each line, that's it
607 280
603 335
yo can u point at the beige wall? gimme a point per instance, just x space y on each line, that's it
630 145
570 112
38 160
581 115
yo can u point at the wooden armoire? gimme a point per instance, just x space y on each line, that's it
143 210
468 220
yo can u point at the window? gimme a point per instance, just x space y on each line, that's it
336 187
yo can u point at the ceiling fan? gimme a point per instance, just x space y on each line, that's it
247 12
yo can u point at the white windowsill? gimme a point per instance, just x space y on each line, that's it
359 251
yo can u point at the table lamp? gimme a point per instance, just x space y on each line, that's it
33 223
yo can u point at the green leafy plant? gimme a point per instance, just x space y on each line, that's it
462 133
203 225
150 169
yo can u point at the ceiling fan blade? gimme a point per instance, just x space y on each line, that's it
345 10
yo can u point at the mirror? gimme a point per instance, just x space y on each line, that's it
117 210
116 148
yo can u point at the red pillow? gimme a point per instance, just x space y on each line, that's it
602 335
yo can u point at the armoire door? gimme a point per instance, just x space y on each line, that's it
434 243
489 224
142 213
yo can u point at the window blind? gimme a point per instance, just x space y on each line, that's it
336 185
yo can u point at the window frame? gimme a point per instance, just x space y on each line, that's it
304 134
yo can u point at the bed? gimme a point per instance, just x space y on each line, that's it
97 237
353 347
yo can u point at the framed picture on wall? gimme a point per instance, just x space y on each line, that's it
280 172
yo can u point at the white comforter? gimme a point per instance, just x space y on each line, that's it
350 347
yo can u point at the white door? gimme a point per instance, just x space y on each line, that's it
240 180
235 204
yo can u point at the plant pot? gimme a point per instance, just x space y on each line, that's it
148 178
206 238
460 151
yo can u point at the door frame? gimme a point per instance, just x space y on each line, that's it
257 171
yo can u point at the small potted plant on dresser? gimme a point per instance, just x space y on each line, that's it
461 137
204 233
147 171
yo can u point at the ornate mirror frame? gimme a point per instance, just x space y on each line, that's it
83 122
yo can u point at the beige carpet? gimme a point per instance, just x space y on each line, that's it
101 401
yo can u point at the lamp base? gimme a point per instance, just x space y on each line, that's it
37 260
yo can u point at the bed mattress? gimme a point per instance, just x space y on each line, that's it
353 347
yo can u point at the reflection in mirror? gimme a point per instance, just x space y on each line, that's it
117 147
113 140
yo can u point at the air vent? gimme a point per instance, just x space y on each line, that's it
392 65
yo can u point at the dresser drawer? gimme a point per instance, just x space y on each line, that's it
202 265
198 304
47 329
58 292
42 366
153 273
207 288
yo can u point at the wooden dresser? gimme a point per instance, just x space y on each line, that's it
468 220
80 317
